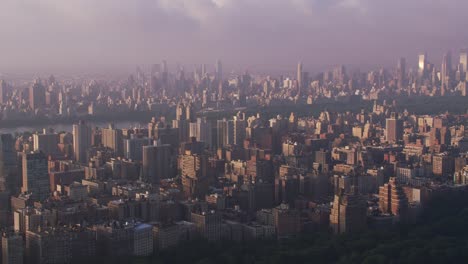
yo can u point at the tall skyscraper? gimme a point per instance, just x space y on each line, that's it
401 71
445 73
422 62
394 128
464 61
300 77
81 141
3 91
35 175
156 163
219 71
37 95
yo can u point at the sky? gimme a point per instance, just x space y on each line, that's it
261 34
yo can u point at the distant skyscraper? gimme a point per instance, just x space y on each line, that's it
401 71
37 95
445 73
219 71
464 60
36 175
422 61
3 90
81 141
300 77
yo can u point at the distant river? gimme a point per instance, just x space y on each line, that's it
68 127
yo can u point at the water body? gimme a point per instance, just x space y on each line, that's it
68 127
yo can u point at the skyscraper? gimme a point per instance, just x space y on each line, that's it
445 73
464 61
156 163
3 90
81 141
8 164
422 61
348 214
12 249
112 138
36 175
46 142
201 130
219 71
299 76
401 71
392 199
133 147
393 129
224 131
37 93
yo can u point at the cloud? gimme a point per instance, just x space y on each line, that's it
104 33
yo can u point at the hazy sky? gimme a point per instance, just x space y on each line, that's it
263 33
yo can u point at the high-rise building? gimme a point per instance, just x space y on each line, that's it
300 77
392 199
445 73
9 180
12 248
81 141
219 71
422 62
3 91
156 163
133 147
35 175
443 165
238 133
349 213
222 133
194 173
46 142
37 94
401 71
393 129
60 245
112 138
201 130
464 63
208 225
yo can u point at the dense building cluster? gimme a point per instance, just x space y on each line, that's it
136 191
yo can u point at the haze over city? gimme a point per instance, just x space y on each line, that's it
88 35
233 131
